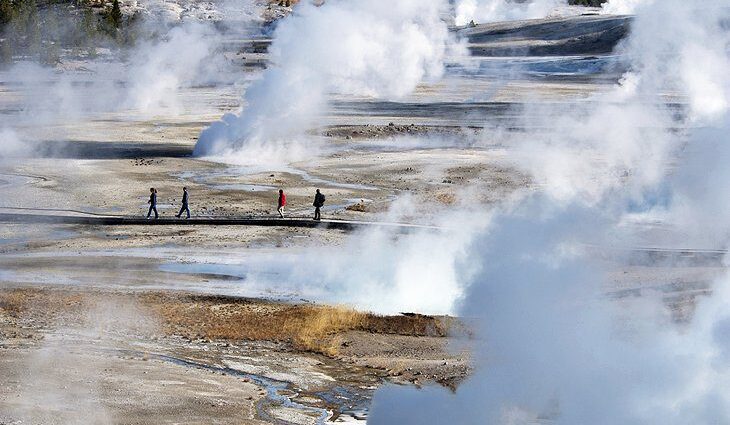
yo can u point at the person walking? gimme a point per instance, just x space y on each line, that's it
184 206
152 202
318 203
282 203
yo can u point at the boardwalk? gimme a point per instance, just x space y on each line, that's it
55 216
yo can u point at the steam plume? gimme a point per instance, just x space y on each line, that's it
485 11
552 347
372 48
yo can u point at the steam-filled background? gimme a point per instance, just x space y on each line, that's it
611 119
555 347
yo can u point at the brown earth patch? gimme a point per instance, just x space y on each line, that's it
418 341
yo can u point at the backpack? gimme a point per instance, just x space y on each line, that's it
318 200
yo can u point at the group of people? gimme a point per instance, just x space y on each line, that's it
318 203
153 203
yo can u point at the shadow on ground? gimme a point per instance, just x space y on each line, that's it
117 150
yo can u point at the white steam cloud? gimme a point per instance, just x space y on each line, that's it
11 144
553 348
624 7
485 11
61 378
160 68
376 272
376 48
150 84
373 270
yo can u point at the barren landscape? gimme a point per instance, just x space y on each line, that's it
300 322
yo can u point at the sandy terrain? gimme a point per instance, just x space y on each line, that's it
156 357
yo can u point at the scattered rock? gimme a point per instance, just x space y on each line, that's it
446 198
359 207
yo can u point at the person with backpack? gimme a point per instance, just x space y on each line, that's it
318 203
184 206
152 202
282 203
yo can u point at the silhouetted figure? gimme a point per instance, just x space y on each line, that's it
318 203
282 203
184 204
152 202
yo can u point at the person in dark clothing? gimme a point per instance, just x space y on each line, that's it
184 204
152 202
282 203
318 203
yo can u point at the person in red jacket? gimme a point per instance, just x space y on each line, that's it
282 203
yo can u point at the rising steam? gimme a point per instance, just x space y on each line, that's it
553 348
624 7
378 48
485 11
143 81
